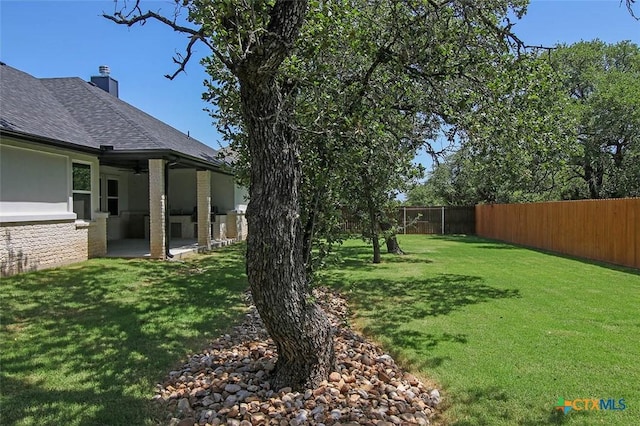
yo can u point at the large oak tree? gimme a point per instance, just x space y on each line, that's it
250 41
299 83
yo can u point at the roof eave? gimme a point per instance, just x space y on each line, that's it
43 140
166 154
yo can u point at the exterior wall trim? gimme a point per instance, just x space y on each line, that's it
43 217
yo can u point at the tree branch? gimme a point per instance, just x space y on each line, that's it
135 16
630 8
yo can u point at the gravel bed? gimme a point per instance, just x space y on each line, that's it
228 383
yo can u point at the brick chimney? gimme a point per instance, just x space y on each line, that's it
105 82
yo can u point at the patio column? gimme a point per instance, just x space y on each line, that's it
203 178
157 210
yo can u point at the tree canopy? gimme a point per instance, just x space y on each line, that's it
602 82
575 133
325 104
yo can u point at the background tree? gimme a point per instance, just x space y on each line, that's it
448 184
603 84
513 144
568 132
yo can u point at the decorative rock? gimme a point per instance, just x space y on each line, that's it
242 395
258 418
395 420
434 397
184 408
207 401
300 419
189 421
334 377
228 383
233 412
230 401
232 388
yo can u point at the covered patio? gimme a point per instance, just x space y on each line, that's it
132 248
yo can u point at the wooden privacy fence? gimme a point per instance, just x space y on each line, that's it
605 230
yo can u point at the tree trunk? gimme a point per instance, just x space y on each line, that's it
392 241
593 176
309 232
377 257
375 236
275 257
392 245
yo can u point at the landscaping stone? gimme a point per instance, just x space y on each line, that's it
228 383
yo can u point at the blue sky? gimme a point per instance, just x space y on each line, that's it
64 38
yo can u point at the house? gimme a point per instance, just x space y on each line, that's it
82 171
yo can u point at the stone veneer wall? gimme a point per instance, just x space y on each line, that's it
29 246
97 237
237 226
220 227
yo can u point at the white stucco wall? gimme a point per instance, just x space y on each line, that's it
38 228
182 190
36 182
117 224
222 188
226 195
241 198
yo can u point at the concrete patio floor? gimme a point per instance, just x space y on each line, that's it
139 248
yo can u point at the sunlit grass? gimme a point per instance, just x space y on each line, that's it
86 344
505 331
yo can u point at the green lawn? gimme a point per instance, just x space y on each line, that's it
85 345
503 330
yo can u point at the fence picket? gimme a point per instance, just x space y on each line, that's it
605 230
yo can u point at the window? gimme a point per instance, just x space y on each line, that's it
82 190
112 197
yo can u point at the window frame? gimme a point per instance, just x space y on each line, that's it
88 192
105 197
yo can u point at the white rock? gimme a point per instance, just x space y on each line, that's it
435 397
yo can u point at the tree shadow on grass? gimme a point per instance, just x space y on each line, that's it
420 298
359 258
484 406
85 344
387 306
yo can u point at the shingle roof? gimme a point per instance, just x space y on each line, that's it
75 111
27 107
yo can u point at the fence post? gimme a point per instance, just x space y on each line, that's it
442 220
404 220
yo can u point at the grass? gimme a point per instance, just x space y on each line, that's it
85 345
505 331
